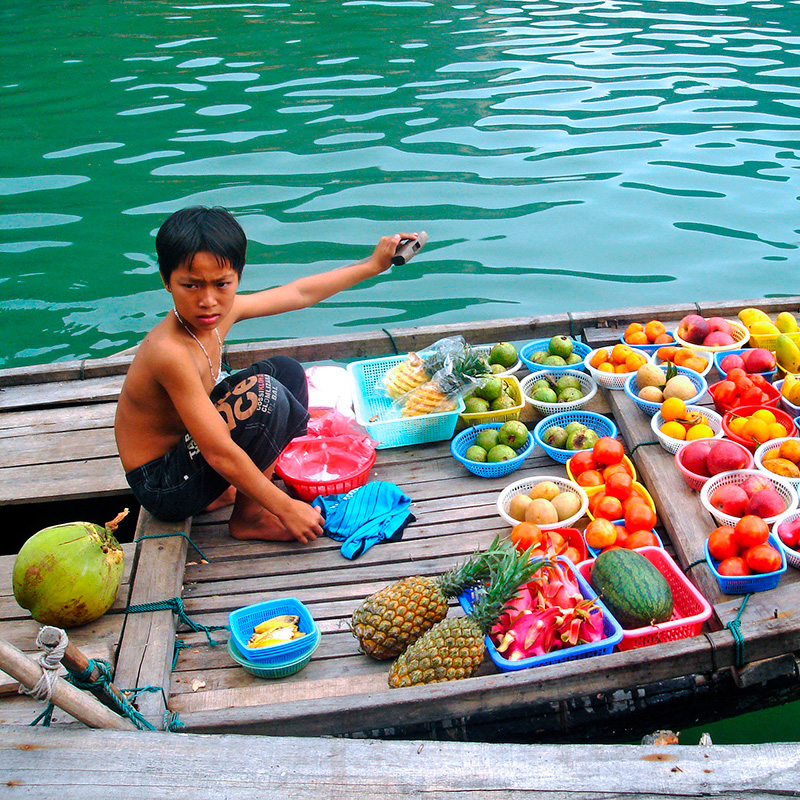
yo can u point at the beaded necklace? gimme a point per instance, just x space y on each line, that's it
219 341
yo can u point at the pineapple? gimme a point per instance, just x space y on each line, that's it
439 393
405 376
387 622
454 648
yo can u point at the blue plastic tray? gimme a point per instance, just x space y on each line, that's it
611 628
744 584
459 446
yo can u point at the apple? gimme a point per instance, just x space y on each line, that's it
693 328
730 499
755 483
758 360
694 456
789 533
725 456
766 503
719 324
732 361
718 339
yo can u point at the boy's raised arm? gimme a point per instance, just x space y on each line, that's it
305 292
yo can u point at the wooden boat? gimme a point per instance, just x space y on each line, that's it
56 424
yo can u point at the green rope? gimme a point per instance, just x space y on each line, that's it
642 444
173 533
734 626
175 605
694 564
170 719
391 339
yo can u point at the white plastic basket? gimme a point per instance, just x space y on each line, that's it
524 486
792 556
588 387
738 477
763 449
611 380
671 445
740 338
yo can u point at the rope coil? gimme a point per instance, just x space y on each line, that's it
50 662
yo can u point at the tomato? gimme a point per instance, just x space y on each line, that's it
619 485
572 554
722 543
752 396
639 516
608 508
582 461
613 469
594 499
751 530
763 558
600 533
725 393
589 477
734 566
737 373
622 535
525 535
607 450
641 539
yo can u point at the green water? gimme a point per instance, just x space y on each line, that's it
561 156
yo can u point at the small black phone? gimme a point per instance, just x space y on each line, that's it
409 248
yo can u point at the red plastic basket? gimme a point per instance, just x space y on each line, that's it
690 609
745 411
353 474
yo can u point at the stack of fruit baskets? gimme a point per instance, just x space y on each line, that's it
550 391
474 444
273 639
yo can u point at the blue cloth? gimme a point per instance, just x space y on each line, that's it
373 513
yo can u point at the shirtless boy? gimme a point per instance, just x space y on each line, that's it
184 437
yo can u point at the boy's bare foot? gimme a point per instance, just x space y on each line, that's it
261 525
227 498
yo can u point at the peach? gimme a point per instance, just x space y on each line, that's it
719 324
755 483
730 499
725 456
694 456
766 503
693 328
758 360
732 361
718 339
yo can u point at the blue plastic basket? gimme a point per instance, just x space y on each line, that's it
649 408
459 446
264 670
612 631
744 584
603 426
769 374
243 620
529 348
376 412
650 348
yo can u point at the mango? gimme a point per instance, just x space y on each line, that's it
750 315
785 322
761 328
787 354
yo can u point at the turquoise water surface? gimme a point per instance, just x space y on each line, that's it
562 156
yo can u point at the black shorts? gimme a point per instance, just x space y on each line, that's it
265 406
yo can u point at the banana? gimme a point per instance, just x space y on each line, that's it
276 622
785 322
750 315
787 354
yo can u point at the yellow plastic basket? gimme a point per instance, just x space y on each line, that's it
769 341
511 383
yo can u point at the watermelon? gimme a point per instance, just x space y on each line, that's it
634 591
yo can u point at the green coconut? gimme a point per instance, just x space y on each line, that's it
68 575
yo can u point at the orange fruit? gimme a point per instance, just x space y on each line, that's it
599 357
634 327
777 431
700 431
667 353
756 429
662 339
606 366
790 449
637 337
619 353
765 414
736 425
695 363
674 430
653 329
673 408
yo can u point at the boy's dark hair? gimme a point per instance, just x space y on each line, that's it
200 230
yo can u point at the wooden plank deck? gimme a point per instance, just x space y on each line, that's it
84 765
341 691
